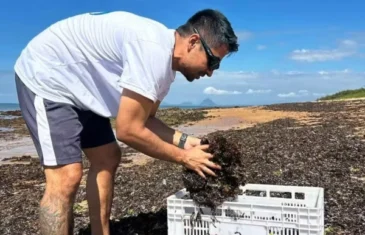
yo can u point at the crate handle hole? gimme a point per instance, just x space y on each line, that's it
280 194
255 193
300 196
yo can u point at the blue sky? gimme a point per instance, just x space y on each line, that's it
289 50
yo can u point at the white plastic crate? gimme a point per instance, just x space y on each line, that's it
260 210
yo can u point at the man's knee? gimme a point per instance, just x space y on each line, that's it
104 157
116 157
63 180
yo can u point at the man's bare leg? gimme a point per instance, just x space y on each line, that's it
100 185
55 215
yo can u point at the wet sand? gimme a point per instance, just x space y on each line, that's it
17 147
238 118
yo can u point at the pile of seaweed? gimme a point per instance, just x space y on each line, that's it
214 190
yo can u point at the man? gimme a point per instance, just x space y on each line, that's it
79 72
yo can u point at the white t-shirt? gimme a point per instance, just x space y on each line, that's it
88 59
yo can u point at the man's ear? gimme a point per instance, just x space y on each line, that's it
193 41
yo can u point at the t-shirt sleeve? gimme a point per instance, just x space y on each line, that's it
145 66
163 93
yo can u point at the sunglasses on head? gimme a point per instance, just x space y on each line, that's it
213 61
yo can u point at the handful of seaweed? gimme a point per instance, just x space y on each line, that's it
213 191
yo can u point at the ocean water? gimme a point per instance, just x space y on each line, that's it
179 106
9 106
198 107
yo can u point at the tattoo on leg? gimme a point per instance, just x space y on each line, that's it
55 216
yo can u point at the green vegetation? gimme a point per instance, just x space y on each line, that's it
346 94
331 230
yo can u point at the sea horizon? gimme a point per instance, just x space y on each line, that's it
9 106
15 106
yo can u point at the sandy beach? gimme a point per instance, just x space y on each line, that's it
317 144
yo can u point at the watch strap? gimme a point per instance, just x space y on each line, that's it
182 141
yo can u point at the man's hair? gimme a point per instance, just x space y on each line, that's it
214 28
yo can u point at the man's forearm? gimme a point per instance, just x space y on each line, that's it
149 143
163 131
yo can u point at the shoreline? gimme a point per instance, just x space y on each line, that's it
219 119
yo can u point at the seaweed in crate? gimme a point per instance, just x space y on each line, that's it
213 191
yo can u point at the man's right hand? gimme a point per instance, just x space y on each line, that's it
198 160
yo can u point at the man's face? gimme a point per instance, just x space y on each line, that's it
200 59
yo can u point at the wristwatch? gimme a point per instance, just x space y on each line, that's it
182 140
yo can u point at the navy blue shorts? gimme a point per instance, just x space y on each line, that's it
60 131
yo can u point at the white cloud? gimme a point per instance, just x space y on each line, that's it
323 72
294 94
244 35
320 55
257 77
303 92
213 91
346 48
358 37
333 74
317 83
300 93
235 74
285 95
238 78
261 47
275 71
251 91
294 73
349 43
